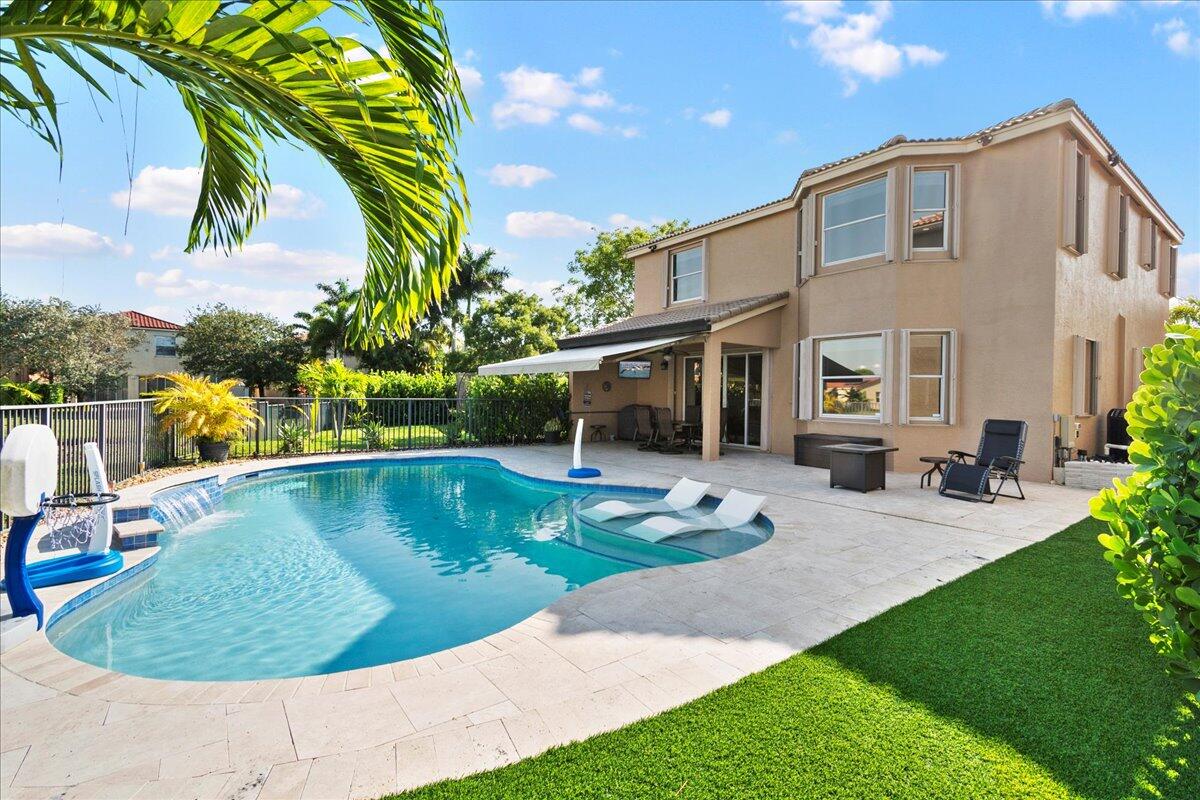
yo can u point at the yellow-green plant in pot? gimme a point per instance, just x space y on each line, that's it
204 410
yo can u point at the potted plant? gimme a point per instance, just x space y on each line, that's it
206 411
552 429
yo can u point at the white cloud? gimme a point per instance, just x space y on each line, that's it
536 97
538 87
522 175
171 192
626 221
543 289
590 76
58 240
811 12
583 122
717 119
852 44
1178 37
470 55
505 114
173 284
1076 10
1187 278
470 78
628 131
923 54
545 225
788 136
268 259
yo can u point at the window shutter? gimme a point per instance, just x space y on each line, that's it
902 412
1069 192
804 406
795 380
1172 270
667 284
885 403
1084 165
952 379
1123 238
889 247
1112 233
905 192
1155 239
1093 356
1078 375
808 243
956 212
1146 244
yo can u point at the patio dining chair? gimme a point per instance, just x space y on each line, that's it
969 476
643 427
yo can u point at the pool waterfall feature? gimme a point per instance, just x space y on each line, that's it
332 566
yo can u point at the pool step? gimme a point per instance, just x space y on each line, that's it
136 534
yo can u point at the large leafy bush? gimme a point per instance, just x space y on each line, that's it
511 408
1154 517
413 384
205 410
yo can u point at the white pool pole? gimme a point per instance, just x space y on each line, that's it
579 445
578 470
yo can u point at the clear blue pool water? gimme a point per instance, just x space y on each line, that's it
348 566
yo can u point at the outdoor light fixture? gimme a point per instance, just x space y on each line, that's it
668 354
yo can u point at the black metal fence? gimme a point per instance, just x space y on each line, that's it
132 440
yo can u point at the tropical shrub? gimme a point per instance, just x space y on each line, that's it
202 409
19 393
514 408
413 384
335 381
293 435
372 432
1153 538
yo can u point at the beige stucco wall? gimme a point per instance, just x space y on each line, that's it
742 261
1119 314
1013 295
143 362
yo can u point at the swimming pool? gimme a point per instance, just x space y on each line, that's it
324 568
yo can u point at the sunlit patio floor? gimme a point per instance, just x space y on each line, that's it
615 651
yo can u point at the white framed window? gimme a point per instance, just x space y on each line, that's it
927 382
687 274
930 204
854 222
850 377
164 345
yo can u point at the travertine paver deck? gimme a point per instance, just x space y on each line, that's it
610 653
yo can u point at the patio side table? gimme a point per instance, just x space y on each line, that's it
858 466
939 464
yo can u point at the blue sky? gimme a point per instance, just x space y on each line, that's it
597 114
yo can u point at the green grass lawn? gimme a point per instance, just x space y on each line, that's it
394 437
1028 678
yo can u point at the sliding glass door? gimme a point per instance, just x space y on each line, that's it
742 399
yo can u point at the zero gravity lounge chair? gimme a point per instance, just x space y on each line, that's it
737 509
685 494
1001 446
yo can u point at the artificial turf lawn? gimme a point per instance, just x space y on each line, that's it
1027 678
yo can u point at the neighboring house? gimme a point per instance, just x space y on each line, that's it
908 292
154 354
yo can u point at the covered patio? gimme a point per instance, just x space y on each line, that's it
710 364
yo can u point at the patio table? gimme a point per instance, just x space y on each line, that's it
857 466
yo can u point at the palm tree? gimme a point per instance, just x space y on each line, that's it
477 277
257 72
327 326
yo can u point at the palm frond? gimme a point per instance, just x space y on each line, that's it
249 74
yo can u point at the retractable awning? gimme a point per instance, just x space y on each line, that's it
578 359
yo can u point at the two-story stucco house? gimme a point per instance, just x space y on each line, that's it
908 293
153 354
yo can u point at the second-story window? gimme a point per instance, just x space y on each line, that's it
929 204
687 274
164 345
854 222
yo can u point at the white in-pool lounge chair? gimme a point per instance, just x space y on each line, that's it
737 509
685 494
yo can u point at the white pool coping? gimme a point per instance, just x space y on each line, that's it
615 651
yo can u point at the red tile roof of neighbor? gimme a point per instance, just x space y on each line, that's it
139 320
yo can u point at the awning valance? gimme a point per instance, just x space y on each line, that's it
578 359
